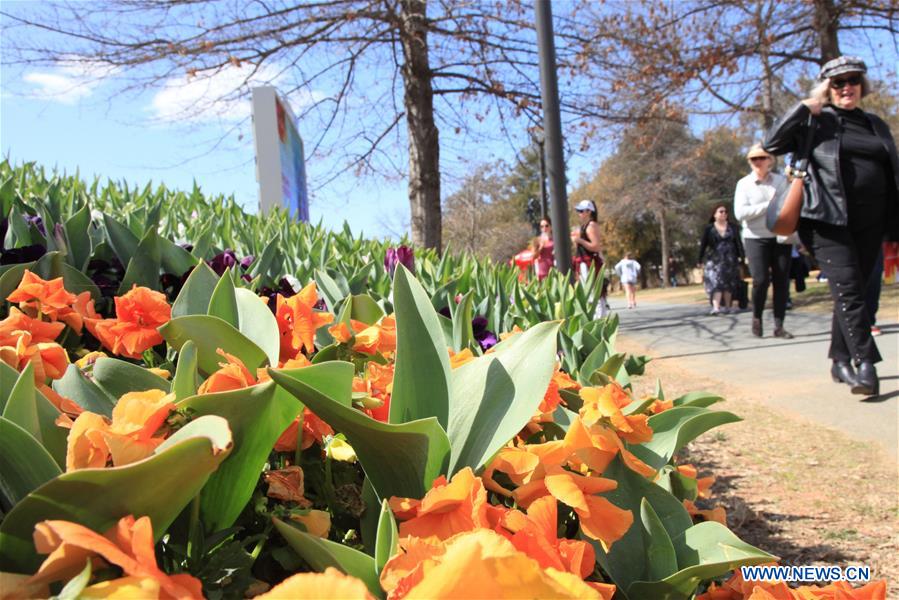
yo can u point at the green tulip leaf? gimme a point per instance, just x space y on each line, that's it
223 303
185 382
627 560
258 323
143 268
495 395
84 392
257 415
700 399
463 334
196 292
25 464
321 554
123 242
210 334
675 428
399 460
660 556
388 535
98 498
704 551
421 382
117 377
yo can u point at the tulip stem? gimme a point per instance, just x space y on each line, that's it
193 527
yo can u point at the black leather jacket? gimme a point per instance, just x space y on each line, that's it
825 199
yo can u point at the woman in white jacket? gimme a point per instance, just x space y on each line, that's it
769 261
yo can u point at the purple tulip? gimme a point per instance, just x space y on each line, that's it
247 261
402 255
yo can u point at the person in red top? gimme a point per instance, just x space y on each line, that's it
523 260
544 260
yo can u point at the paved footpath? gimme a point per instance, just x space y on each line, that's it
791 374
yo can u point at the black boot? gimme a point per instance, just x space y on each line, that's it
842 372
757 327
779 330
867 383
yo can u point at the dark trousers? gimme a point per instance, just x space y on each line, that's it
769 264
872 290
847 258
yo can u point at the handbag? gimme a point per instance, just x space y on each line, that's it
782 215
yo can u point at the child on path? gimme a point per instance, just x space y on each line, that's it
628 269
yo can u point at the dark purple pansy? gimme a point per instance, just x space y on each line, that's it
247 261
485 337
222 261
22 255
37 222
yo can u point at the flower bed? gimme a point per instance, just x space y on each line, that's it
220 430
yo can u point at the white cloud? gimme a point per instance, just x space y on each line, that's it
218 96
68 83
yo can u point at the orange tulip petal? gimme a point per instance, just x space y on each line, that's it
314 586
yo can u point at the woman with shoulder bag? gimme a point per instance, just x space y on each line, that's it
851 201
769 261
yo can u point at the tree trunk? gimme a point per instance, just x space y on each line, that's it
767 75
826 24
663 235
424 147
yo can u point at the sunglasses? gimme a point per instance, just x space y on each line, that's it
839 84
758 158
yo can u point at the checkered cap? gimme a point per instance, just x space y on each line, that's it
843 64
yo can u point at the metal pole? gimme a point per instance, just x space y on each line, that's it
544 198
552 128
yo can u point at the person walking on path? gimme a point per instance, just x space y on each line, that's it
628 269
544 261
721 271
769 261
851 201
588 252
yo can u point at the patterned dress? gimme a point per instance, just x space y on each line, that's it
721 270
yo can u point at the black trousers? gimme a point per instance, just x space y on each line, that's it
847 258
769 264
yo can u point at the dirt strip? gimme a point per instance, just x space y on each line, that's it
804 492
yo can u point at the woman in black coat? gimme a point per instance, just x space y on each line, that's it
851 203
722 252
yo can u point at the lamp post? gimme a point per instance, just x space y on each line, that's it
552 126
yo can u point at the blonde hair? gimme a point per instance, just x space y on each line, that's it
821 91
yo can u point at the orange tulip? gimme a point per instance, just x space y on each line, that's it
316 522
446 509
233 375
314 430
314 586
137 416
298 322
49 359
596 446
128 545
536 536
38 296
607 402
492 568
63 404
41 331
138 315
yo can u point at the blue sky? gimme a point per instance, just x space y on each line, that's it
170 133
